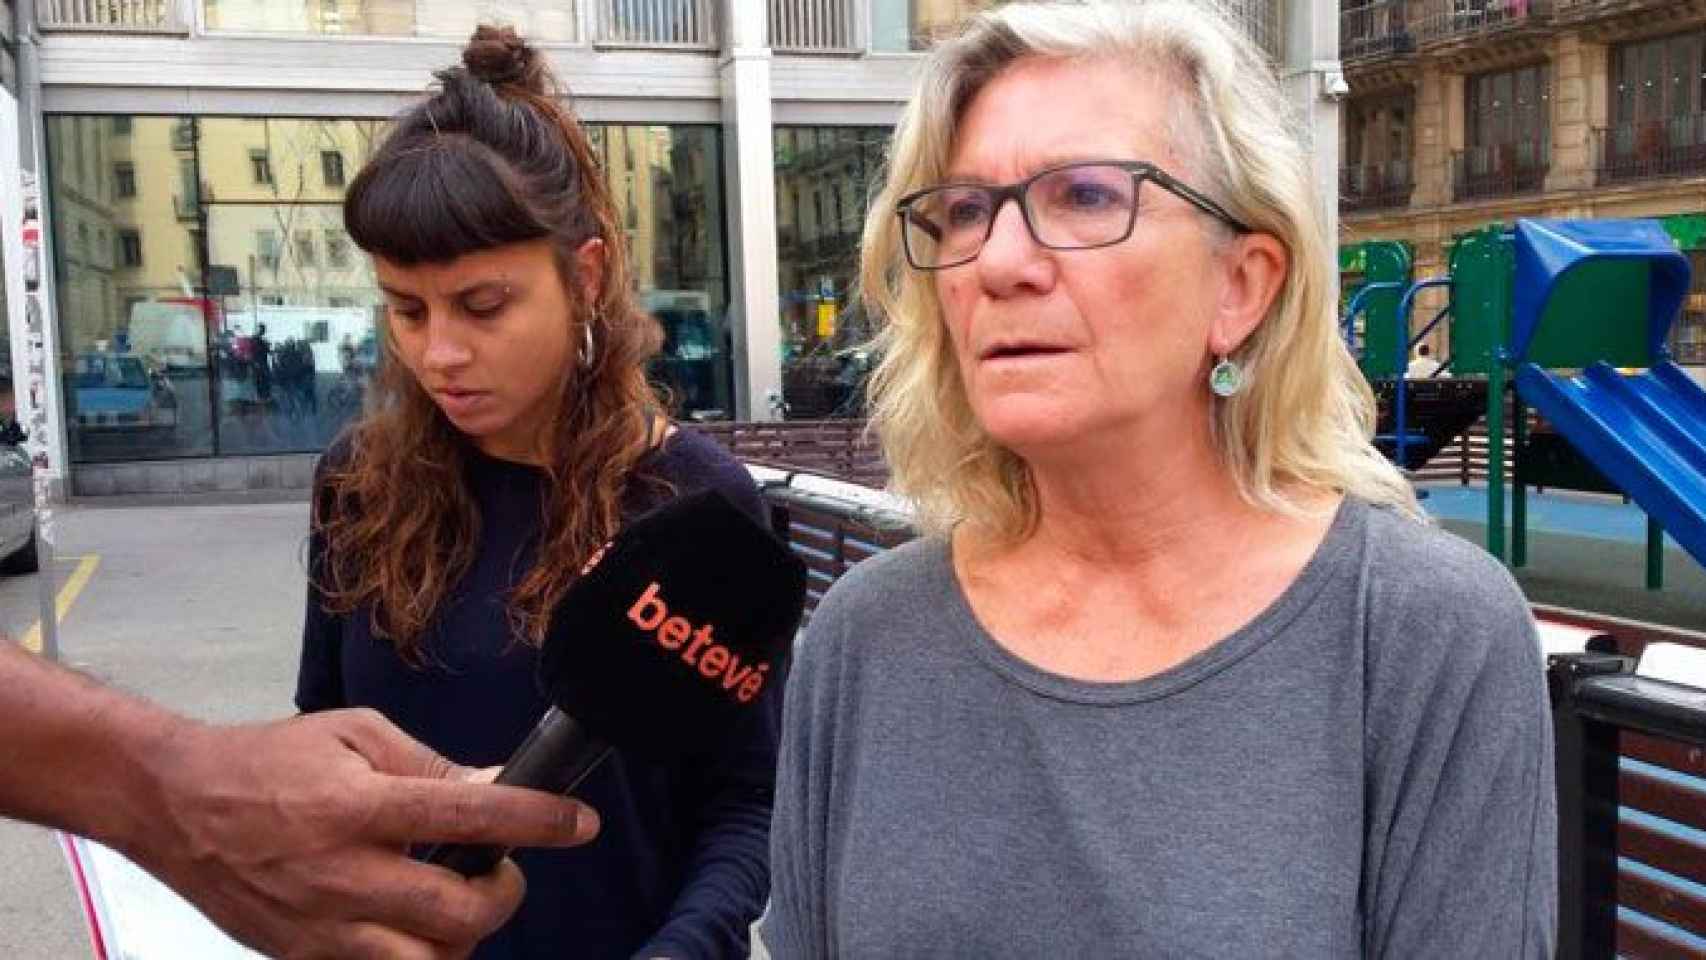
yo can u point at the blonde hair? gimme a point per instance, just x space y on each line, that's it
1304 420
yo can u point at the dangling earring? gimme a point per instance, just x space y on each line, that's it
586 350
1227 378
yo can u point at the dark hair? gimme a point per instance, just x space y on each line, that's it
493 157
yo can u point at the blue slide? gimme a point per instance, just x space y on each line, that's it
1645 432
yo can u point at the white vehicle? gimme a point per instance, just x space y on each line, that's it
171 334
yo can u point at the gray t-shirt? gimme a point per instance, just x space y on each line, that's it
1364 769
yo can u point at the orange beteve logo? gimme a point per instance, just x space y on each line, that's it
698 650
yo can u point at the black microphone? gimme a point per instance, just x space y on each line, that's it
662 649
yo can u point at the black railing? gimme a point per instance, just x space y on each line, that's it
1374 28
1499 170
1445 21
1651 149
1603 717
1376 186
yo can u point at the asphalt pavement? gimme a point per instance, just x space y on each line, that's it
195 607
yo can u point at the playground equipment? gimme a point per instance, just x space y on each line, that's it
1418 417
1553 312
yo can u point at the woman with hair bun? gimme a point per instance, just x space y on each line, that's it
510 432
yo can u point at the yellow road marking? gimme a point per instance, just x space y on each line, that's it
67 596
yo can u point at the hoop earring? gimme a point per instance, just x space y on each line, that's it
587 355
1226 379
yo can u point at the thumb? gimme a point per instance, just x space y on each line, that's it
480 775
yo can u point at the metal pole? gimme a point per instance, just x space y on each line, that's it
1655 555
36 358
1519 483
1586 770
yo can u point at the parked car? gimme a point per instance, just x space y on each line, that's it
118 392
17 512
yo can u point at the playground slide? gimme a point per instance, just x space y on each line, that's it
1646 432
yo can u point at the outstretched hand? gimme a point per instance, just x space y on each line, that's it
292 836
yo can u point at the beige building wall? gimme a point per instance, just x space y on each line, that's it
309 259
1579 59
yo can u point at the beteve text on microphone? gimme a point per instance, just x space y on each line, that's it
713 660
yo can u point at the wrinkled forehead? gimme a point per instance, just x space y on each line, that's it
1039 112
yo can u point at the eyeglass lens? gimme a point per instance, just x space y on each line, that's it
1074 207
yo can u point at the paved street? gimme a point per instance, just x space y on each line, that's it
195 607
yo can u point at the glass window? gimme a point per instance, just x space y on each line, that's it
337 248
1688 334
133 324
1510 122
124 179
252 341
1657 90
900 25
542 21
250 312
130 248
824 329
300 336
669 191
332 168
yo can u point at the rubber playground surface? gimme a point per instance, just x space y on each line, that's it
1585 551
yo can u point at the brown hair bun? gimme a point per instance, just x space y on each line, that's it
498 56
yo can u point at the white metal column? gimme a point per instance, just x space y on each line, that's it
750 178
1315 81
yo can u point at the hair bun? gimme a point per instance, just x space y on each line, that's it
498 55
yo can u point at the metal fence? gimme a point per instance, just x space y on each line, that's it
1499 170
1675 147
1374 28
815 26
683 24
1631 755
1376 186
113 16
1449 20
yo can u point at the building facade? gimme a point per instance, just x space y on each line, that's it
1469 112
213 325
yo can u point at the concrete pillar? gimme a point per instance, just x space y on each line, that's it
1433 139
30 293
1572 114
1315 81
749 175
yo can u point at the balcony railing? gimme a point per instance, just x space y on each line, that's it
682 24
1498 170
1652 149
814 26
113 16
1440 21
1374 28
1378 186
1580 11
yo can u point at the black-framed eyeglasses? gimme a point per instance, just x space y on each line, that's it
1075 206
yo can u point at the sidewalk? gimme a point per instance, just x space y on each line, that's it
1585 551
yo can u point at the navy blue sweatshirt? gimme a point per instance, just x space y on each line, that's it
681 866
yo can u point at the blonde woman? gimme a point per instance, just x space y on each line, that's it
1180 671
